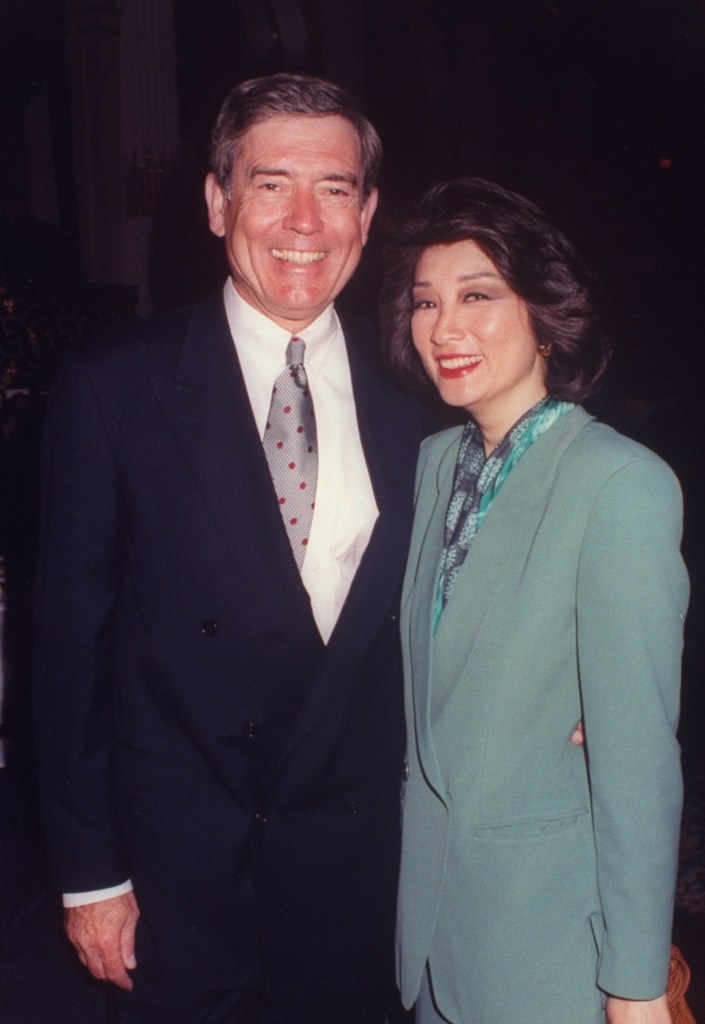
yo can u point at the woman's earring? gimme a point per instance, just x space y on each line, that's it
544 349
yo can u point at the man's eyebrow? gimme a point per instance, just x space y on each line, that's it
282 172
348 178
270 172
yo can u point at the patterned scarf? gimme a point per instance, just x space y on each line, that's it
477 483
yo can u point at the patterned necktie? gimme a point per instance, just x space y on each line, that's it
291 450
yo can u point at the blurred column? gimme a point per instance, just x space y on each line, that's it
94 68
150 128
123 78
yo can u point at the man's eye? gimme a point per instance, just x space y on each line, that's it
338 193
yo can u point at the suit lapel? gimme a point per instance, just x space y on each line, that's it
390 443
390 430
208 411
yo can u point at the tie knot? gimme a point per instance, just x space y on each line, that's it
295 351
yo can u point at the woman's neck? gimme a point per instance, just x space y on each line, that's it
494 428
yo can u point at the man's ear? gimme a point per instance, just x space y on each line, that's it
215 201
367 213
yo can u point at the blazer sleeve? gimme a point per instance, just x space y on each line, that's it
632 592
78 581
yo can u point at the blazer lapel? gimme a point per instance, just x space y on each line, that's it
207 409
419 601
439 662
506 536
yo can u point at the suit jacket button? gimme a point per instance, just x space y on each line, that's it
210 628
392 617
250 730
405 770
260 818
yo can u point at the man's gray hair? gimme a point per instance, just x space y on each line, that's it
258 99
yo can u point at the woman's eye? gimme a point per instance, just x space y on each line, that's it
474 296
423 304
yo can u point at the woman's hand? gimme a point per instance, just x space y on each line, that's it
637 1011
578 737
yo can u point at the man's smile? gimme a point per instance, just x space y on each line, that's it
295 256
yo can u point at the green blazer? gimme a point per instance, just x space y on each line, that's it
537 875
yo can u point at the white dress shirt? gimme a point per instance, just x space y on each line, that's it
346 510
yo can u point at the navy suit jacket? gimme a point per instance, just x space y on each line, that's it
194 732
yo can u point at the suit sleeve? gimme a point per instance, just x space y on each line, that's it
631 599
78 581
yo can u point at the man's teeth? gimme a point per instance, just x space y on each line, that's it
456 362
294 256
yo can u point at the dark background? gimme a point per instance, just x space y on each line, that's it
593 108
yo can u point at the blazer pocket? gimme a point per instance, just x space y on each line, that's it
541 828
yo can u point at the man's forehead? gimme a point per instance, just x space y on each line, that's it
285 139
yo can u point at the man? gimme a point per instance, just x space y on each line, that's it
219 719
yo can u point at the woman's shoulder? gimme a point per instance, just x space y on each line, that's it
596 442
437 448
598 452
440 442
602 443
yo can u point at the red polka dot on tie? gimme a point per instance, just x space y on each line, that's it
292 465
302 485
287 408
280 444
309 449
299 430
293 521
305 541
282 501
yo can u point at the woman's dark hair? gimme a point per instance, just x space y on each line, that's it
534 258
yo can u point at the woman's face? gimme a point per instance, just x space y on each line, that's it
474 337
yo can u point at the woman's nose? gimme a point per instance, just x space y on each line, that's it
447 328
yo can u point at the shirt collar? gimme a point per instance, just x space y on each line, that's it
257 336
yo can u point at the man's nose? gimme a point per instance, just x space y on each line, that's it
303 214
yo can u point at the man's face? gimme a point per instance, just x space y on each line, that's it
294 222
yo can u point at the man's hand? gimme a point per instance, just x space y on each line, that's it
103 935
631 1011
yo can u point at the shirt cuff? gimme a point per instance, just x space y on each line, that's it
80 899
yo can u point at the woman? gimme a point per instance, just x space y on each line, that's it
544 587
